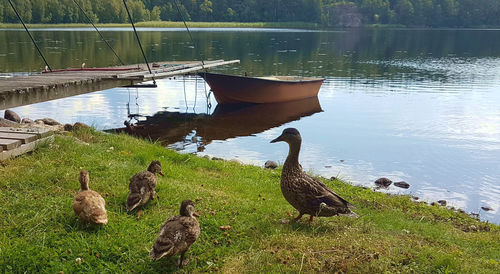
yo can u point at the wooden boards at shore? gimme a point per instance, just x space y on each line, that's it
16 141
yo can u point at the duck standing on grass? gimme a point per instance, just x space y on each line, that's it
89 205
177 234
305 193
142 186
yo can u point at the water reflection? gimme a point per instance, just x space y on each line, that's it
226 121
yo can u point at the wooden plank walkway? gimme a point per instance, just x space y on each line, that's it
24 90
17 141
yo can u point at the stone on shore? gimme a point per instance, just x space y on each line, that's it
68 127
8 123
271 164
12 116
402 184
50 122
383 182
442 202
80 125
27 121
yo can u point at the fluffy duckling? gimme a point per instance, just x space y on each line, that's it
142 186
305 193
177 234
89 205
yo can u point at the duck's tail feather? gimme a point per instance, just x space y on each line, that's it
350 206
352 214
161 250
133 201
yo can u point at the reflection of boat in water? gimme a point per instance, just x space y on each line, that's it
230 89
227 121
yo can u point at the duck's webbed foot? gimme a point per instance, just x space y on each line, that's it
298 217
311 219
182 261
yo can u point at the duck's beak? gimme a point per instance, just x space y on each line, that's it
196 214
161 173
277 139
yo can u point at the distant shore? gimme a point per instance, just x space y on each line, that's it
170 24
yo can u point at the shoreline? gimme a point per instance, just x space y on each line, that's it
284 25
41 233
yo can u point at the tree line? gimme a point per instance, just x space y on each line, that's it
431 13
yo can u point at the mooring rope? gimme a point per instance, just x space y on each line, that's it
195 92
185 98
102 37
138 40
29 34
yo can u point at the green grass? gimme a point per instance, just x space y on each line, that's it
40 233
169 24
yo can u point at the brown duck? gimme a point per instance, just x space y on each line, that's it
89 206
177 234
305 193
142 186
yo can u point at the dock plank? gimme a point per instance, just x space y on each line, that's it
8 154
39 132
23 137
35 88
9 144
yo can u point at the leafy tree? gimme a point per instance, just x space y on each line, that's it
155 14
206 8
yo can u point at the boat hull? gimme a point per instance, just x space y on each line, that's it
229 89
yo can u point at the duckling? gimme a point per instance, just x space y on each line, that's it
142 186
89 205
305 193
177 234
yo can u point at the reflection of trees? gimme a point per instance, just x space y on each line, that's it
350 53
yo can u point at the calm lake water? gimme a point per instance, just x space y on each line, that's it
415 105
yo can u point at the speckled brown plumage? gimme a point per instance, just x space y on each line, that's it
177 234
89 206
142 186
305 193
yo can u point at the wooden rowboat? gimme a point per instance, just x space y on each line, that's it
230 89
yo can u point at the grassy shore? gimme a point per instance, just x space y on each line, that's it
169 24
40 233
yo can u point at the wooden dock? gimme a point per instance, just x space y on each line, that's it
24 90
17 141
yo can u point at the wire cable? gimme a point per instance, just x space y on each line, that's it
138 40
189 32
102 37
29 34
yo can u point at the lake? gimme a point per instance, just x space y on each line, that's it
413 105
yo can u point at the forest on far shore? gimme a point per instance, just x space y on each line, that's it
421 13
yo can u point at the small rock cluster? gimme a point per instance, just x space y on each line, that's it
385 183
12 119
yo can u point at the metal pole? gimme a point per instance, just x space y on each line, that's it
29 34
137 36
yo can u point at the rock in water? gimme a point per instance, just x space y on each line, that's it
383 182
271 164
486 208
12 116
402 184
